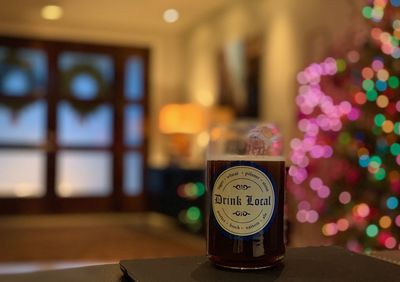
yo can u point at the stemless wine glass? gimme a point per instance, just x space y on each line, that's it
245 192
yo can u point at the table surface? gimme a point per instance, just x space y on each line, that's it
98 273
305 258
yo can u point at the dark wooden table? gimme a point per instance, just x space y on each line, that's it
99 273
301 264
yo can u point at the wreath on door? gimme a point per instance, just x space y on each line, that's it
10 65
84 106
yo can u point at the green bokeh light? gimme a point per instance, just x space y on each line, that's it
379 119
372 95
193 213
200 189
395 149
376 159
380 174
397 128
372 230
394 41
368 85
393 82
367 12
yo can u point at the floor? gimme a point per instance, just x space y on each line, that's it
63 240
31 243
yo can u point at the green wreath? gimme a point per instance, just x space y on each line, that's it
9 63
103 88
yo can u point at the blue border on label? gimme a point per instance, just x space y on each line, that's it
268 174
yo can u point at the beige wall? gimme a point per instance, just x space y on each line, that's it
295 33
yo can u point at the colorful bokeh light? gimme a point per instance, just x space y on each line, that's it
344 197
193 213
191 190
372 230
392 203
385 222
355 137
329 229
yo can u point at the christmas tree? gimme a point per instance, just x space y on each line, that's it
345 170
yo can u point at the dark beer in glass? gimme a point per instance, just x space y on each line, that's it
245 194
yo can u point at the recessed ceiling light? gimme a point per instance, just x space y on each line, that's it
171 15
52 12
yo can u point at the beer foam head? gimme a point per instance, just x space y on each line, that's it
246 141
245 158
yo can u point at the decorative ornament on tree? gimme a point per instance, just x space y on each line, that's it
345 167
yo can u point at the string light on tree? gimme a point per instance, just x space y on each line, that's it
345 166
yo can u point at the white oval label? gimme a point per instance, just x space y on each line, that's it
243 200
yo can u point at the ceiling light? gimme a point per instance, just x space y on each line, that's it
52 12
171 15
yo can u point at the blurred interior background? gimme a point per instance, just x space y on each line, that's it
105 111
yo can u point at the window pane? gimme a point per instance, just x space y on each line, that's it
134 78
26 126
85 75
133 125
22 174
133 174
22 71
92 129
81 174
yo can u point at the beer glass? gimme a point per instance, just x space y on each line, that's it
245 180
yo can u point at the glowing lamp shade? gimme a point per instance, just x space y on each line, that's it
182 118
